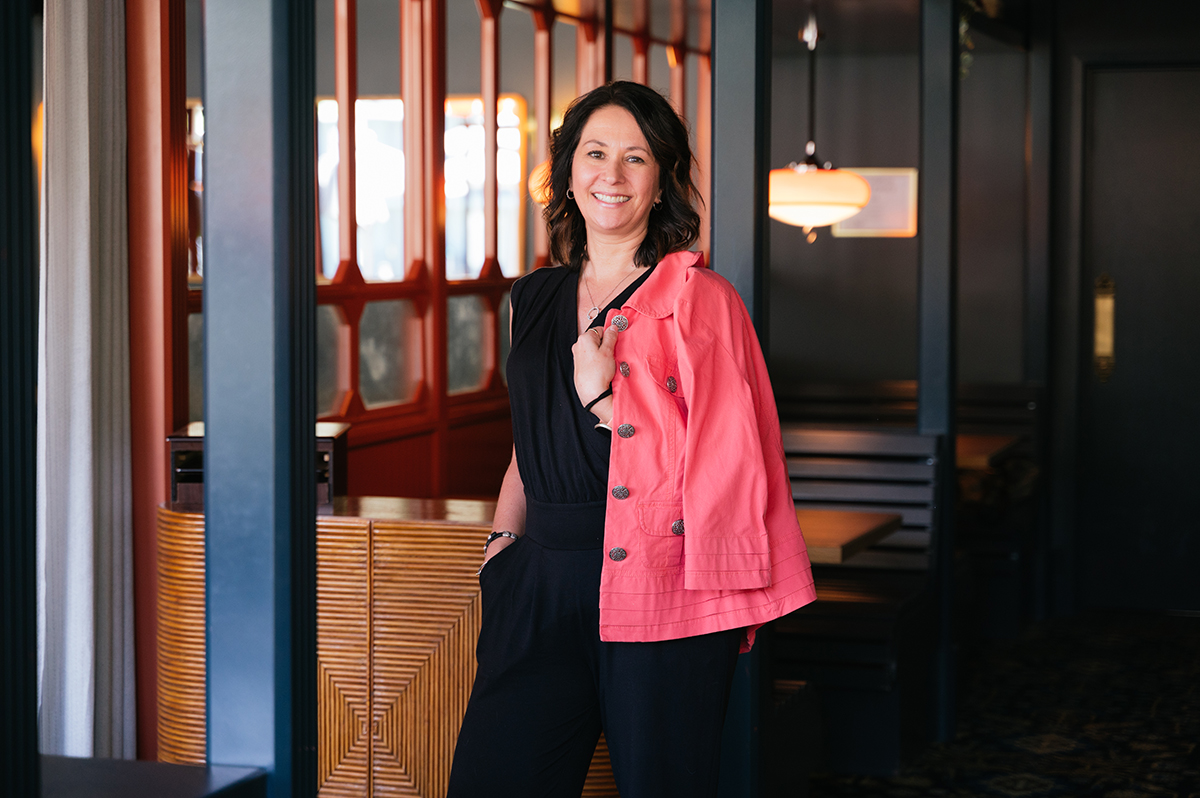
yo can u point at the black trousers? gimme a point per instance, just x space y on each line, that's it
547 684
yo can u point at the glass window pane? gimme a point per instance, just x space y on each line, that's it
195 324
510 177
660 20
622 55
378 47
379 180
691 65
463 30
564 71
516 78
696 11
464 185
505 341
379 187
328 159
333 370
660 70
195 201
388 353
468 343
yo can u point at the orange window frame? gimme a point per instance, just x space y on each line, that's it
426 443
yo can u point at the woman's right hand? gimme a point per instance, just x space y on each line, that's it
595 366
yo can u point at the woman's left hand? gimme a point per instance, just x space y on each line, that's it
595 365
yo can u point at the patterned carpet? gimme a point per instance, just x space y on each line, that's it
1104 705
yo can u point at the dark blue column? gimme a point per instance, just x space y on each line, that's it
741 125
19 764
936 392
741 150
1039 60
260 448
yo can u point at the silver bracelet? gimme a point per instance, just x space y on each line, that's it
503 534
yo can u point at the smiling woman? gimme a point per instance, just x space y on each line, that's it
621 122
414 277
614 179
625 571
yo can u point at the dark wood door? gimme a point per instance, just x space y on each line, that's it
1139 467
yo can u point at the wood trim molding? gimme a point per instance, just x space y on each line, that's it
158 240
346 87
543 92
489 82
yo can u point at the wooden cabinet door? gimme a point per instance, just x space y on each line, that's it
425 615
343 657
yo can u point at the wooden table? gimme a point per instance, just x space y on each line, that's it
834 536
980 452
72 777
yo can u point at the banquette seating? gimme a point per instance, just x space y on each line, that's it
866 645
865 649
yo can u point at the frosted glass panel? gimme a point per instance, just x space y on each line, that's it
387 341
379 184
332 368
195 366
467 343
564 72
660 70
505 342
622 67
464 145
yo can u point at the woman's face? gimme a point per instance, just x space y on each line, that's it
614 176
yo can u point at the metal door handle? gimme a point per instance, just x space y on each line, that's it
1103 335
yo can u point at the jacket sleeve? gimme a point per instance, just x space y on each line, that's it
724 473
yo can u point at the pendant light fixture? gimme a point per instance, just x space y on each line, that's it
805 193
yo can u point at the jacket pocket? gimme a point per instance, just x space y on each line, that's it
662 534
665 374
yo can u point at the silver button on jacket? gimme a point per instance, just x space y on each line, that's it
625 430
677 527
624 369
621 492
672 386
617 554
620 322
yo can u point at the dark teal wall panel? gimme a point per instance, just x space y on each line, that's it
260 412
19 769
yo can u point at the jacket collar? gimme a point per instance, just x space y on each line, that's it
656 297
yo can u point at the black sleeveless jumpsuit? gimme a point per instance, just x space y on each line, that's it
546 683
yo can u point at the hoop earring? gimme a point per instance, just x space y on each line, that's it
570 194
658 203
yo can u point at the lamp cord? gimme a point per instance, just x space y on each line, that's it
810 38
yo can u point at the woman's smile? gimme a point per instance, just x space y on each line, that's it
614 176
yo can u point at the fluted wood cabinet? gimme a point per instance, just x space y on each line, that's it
398 615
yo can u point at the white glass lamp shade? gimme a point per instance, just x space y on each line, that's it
808 197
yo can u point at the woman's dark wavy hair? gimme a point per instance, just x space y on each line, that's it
674 225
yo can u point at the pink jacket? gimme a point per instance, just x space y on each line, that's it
700 529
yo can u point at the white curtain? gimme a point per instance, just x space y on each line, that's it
85 564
